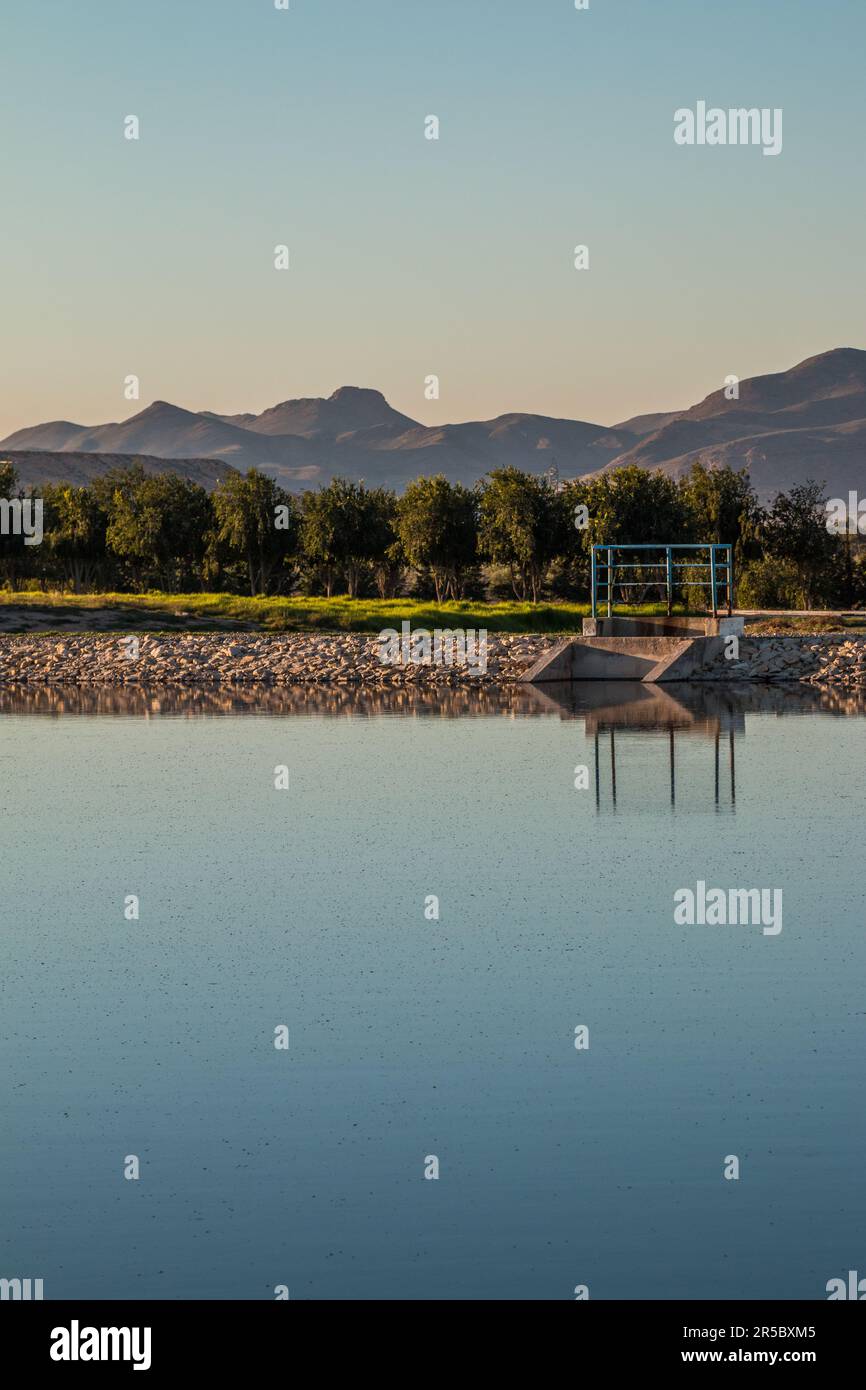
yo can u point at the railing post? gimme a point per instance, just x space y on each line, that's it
670 577
594 582
609 580
730 579
713 581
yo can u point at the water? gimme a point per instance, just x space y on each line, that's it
411 1037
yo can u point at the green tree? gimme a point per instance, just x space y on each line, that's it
8 479
796 531
632 506
770 583
157 524
436 523
18 561
344 530
387 557
75 527
8 547
258 523
522 525
723 507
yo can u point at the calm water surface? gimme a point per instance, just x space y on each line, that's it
411 1037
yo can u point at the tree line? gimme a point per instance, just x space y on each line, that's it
514 535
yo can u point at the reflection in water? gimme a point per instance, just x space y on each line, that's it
601 704
193 702
635 705
667 715
659 712
714 732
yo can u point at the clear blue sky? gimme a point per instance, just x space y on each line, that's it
412 257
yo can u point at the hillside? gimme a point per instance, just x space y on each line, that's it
807 421
37 466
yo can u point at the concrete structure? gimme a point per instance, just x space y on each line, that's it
636 649
663 627
652 659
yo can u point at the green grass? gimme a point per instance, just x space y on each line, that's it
205 612
30 609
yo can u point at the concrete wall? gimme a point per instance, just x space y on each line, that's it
651 659
663 627
619 659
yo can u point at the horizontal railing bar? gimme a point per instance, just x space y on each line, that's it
643 545
660 560
652 565
662 565
637 584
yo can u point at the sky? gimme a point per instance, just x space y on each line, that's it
412 257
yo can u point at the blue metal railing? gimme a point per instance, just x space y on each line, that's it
720 577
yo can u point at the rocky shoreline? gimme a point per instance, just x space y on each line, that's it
217 660
244 658
819 659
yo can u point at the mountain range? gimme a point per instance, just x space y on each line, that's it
809 421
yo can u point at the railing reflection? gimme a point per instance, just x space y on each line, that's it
664 714
716 735
674 716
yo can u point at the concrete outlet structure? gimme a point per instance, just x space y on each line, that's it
654 650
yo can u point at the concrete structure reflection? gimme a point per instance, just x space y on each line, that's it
692 712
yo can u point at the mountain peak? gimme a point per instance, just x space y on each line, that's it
837 364
839 354
349 409
160 408
356 395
